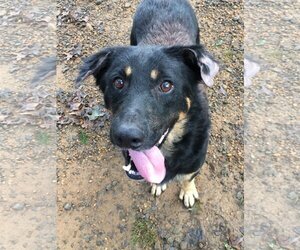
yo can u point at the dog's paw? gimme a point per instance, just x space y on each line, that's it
189 196
157 189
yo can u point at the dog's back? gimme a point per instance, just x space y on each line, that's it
165 22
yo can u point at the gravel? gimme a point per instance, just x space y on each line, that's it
67 206
18 206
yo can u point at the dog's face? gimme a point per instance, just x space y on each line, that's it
148 89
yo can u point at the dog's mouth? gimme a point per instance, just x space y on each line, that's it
147 165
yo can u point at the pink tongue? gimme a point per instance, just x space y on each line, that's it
150 164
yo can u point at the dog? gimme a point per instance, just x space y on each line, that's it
155 89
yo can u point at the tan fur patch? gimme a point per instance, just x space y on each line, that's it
188 193
186 182
174 136
185 177
128 71
154 74
188 102
182 116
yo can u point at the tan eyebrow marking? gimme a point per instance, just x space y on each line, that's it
188 102
128 71
154 74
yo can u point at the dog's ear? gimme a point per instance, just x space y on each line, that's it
207 65
93 65
197 58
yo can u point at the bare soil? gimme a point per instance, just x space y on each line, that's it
105 204
97 206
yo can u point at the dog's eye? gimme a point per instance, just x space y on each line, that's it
166 86
118 83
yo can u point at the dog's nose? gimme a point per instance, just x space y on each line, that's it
129 137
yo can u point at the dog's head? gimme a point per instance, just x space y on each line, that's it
148 89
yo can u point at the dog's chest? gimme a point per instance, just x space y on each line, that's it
175 135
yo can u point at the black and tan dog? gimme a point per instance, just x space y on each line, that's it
154 89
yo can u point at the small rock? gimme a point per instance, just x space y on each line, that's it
65 69
292 195
3 13
68 206
157 246
88 238
258 233
100 28
166 247
217 233
18 206
194 236
237 19
99 243
127 5
239 195
108 187
99 2
297 230
183 245
202 245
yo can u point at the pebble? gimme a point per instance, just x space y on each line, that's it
170 240
18 206
258 233
99 243
108 187
3 13
292 195
99 2
202 245
239 195
217 233
194 236
68 206
157 246
183 245
88 238
297 230
127 5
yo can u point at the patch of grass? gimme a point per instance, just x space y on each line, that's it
219 42
83 137
42 138
196 209
273 54
143 233
261 42
274 246
228 54
228 247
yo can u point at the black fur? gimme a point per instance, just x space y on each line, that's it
140 104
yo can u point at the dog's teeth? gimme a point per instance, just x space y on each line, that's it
163 137
132 172
127 168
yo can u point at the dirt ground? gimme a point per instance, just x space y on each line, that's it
272 187
98 206
61 181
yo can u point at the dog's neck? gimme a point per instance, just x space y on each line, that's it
167 34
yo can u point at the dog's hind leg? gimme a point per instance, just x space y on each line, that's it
188 193
157 189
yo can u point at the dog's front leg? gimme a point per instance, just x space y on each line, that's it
188 193
157 189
